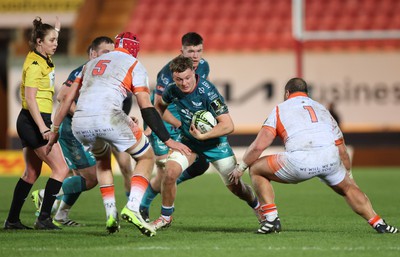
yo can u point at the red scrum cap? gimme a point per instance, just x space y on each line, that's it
128 41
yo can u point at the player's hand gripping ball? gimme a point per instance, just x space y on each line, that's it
204 121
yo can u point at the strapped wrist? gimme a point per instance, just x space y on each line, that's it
242 166
54 128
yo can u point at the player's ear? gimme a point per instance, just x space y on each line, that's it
287 94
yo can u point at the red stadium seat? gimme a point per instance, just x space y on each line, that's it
258 25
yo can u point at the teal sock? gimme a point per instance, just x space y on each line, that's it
167 211
184 176
148 197
74 184
70 199
72 188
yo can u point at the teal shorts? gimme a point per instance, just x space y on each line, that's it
158 146
74 152
213 149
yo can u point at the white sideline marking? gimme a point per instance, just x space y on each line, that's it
163 248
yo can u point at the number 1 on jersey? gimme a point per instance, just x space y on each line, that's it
311 111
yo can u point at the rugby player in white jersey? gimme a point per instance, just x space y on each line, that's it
314 148
100 123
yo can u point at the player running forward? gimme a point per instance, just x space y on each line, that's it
314 148
192 47
100 123
190 93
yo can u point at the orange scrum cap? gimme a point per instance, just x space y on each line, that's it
128 41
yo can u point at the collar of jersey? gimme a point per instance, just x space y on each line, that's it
122 50
47 59
297 94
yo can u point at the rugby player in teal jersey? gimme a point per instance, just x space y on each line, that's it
191 93
192 47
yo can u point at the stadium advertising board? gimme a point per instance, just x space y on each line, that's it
364 86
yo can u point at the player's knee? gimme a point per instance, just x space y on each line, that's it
91 182
170 176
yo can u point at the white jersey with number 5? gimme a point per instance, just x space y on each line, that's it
99 117
106 81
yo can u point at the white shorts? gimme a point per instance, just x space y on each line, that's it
294 167
117 129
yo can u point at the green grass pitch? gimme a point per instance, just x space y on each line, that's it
210 221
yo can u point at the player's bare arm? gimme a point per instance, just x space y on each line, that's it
61 112
263 140
167 116
64 90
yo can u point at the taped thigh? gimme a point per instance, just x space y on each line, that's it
179 158
141 148
224 167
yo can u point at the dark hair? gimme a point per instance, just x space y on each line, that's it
40 30
296 85
180 64
99 40
191 39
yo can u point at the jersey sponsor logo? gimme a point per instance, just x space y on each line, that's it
222 145
212 95
206 84
201 90
219 107
187 114
197 104
164 79
35 63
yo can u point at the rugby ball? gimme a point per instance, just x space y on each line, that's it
204 121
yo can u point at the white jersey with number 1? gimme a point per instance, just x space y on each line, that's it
311 136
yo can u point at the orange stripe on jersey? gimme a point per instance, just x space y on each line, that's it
139 89
127 81
272 161
139 182
107 191
281 131
270 129
339 141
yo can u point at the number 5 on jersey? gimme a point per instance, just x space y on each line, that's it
100 67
